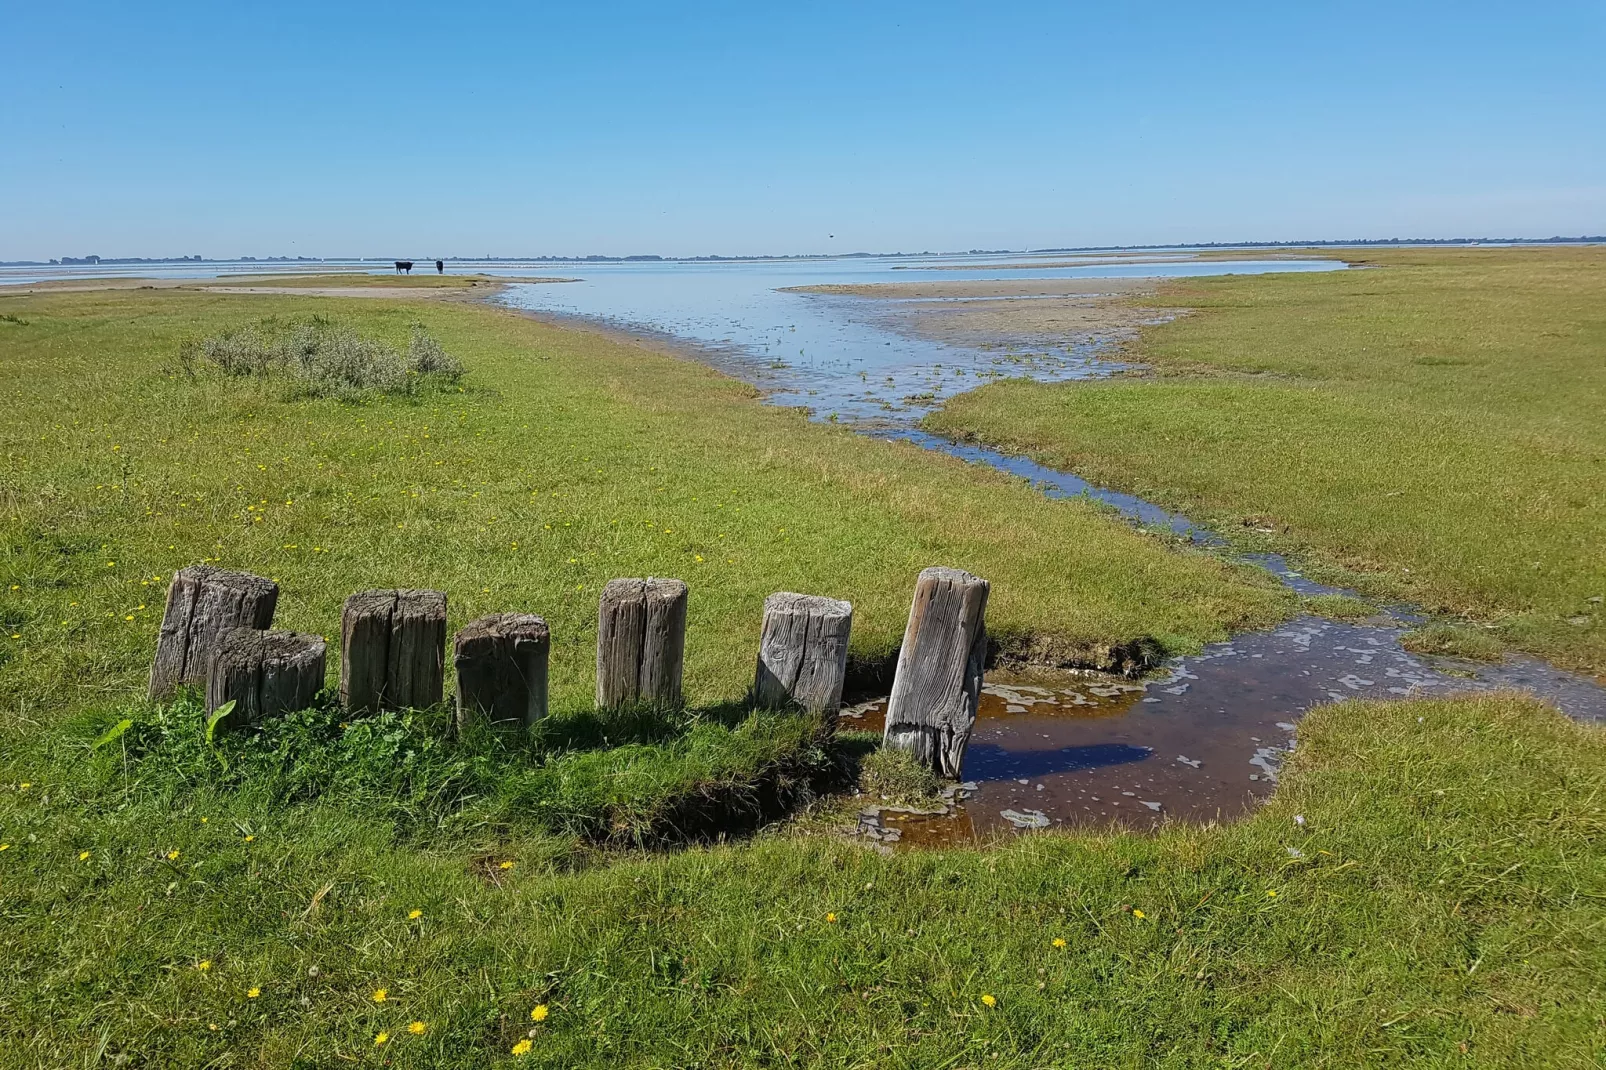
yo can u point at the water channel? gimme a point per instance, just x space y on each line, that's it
1201 740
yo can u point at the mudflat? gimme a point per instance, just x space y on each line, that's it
1008 311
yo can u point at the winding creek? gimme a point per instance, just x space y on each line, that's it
1201 740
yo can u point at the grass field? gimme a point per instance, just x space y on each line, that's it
1427 429
566 460
1444 907
368 893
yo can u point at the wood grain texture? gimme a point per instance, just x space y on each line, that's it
202 603
501 664
264 673
641 642
803 652
938 683
392 650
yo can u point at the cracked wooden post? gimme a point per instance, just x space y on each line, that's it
641 642
264 673
803 653
202 603
392 650
501 663
938 682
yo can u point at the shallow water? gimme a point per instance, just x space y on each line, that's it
835 354
1202 741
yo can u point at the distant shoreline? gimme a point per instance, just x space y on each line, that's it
359 261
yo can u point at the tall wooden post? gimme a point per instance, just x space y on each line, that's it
501 663
641 642
803 652
202 603
264 673
938 682
392 650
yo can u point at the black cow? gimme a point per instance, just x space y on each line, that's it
404 265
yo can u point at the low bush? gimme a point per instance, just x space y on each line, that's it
322 358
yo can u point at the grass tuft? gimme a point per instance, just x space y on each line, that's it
1453 641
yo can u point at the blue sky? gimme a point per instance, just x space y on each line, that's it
424 129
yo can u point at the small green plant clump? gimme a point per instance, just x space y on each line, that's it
323 358
1453 641
894 776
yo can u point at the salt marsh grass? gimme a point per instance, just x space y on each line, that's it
1427 428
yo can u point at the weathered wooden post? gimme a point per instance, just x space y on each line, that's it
202 603
803 653
641 641
501 663
392 650
938 682
264 673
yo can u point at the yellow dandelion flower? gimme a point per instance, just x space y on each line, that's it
204 965
380 1039
1139 914
416 1028
539 1012
1059 941
248 838
989 1000
253 992
25 785
830 918
522 1047
83 856
505 865
381 994
1271 893
414 915
172 856
5 847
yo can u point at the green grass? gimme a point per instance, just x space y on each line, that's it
1445 907
566 460
1428 428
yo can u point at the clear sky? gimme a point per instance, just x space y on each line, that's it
425 129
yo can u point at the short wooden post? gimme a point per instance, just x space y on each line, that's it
392 650
803 652
501 663
641 642
938 682
264 673
202 603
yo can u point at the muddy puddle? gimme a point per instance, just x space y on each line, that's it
1203 741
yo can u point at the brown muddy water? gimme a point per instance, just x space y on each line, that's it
1202 742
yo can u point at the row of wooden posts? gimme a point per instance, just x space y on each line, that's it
216 632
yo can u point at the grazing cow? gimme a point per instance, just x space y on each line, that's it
404 265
